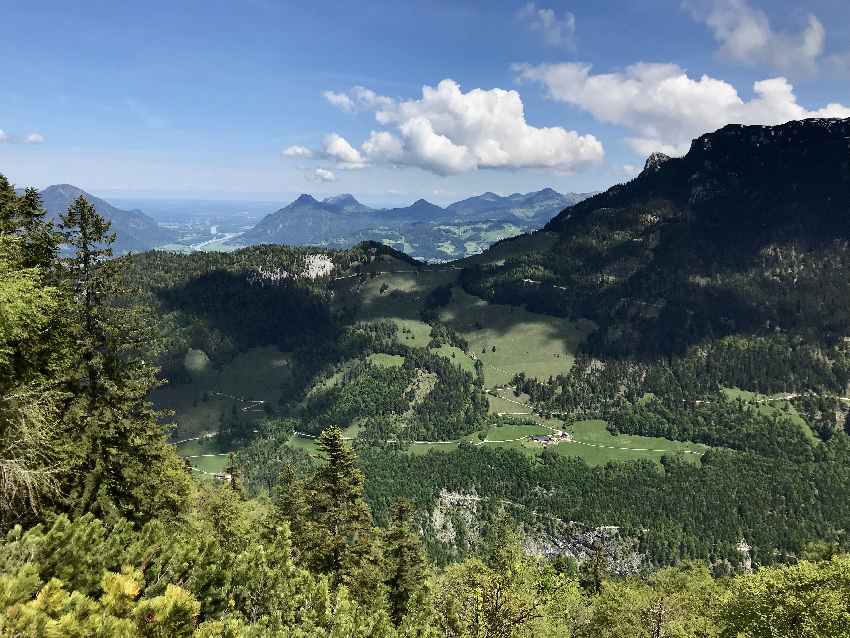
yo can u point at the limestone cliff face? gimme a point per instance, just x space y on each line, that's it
457 519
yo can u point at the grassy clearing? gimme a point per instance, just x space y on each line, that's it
456 356
418 333
403 296
209 464
773 406
386 360
524 341
597 446
419 449
511 432
506 405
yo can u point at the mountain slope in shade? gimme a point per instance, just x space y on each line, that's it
746 183
309 221
419 211
134 230
749 233
423 229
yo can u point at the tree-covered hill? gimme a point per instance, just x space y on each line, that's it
746 234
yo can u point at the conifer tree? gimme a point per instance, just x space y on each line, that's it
125 466
332 523
232 470
34 356
406 563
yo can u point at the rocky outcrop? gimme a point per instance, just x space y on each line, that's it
457 519
654 163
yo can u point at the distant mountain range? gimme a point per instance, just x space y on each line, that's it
135 231
423 230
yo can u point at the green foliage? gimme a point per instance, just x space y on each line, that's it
519 596
366 391
406 565
125 466
807 600
678 511
331 521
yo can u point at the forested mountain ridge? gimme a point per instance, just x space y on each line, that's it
744 186
746 234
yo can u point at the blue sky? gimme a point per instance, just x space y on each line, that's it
262 99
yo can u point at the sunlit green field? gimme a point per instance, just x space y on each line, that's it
536 344
596 445
772 406
509 339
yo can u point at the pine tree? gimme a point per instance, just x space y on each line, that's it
406 563
594 570
125 466
335 532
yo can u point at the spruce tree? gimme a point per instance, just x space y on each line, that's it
406 563
34 358
124 466
331 522
232 471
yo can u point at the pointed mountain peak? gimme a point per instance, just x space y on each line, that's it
423 202
304 198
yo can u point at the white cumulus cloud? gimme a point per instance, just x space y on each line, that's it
339 100
4 137
324 175
337 148
297 151
555 31
447 131
359 98
745 35
663 107
34 138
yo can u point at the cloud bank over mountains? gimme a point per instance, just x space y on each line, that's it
448 132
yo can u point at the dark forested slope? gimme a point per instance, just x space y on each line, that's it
746 234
